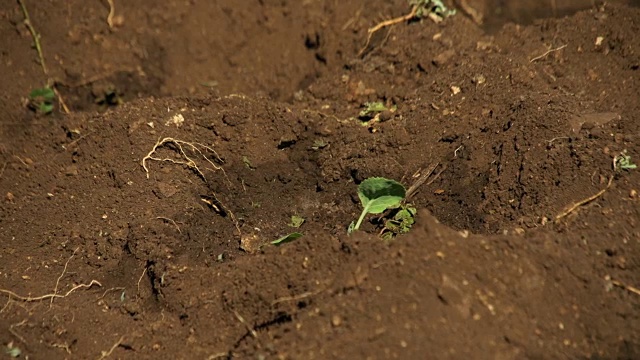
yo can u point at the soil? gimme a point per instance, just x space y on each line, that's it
139 224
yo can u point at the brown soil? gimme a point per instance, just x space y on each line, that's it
257 106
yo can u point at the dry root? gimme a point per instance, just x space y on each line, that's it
188 161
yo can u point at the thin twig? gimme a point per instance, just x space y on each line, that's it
409 16
421 180
6 305
171 221
557 138
573 207
34 35
68 146
547 53
22 339
249 328
188 161
55 289
297 297
112 12
626 287
140 279
109 290
21 161
105 354
64 346
48 296
383 24
436 175
60 99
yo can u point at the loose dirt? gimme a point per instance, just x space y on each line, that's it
138 226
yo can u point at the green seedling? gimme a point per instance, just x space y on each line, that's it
623 162
209 84
371 113
371 109
377 195
41 100
400 223
296 221
319 144
12 351
431 7
248 163
287 238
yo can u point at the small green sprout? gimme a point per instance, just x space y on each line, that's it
319 144
13 351
248 163
371 108
296 221
41 100
429 7
400 223
623 162
377 195
371 114
287 238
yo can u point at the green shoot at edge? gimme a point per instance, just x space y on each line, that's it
623 162
377 195
41 100
286 239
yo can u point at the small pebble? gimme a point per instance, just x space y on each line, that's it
336 320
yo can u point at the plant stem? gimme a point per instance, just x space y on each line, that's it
364 213
34 35
36 41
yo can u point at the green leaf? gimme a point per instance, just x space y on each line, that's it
296 221
13 351
377 195
623 161
45 93
406 213
287 238
45 107
371 108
